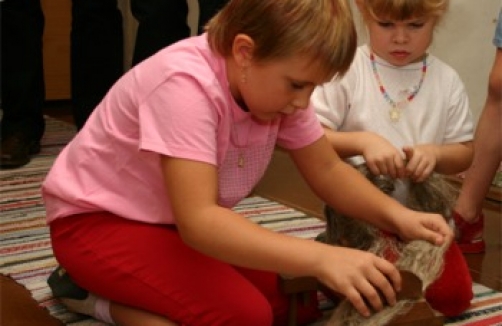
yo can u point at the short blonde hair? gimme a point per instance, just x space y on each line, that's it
403 9
322 29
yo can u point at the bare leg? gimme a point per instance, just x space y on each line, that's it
128 316
487 148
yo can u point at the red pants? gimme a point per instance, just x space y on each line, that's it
149 267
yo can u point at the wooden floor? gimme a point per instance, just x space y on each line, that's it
17 308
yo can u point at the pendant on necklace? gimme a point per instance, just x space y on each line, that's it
394 114
396 109
240 160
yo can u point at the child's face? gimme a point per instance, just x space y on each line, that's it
279 87
401 42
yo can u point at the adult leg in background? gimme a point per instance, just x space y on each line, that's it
22 85
207 9
96 54
160 23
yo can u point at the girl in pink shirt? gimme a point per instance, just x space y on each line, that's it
139 202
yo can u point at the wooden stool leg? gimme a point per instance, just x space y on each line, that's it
293 309
294 287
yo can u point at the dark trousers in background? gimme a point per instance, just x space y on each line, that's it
96 53
97 43
207 9
22 77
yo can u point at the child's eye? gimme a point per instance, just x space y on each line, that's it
297 85
385 24
417 25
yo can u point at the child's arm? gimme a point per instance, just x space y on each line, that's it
380 155
223 234
445 159
346 190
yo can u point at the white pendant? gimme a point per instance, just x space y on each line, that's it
394 114
240 161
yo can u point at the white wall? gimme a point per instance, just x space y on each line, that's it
465 42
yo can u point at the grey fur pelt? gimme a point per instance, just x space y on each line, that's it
435 195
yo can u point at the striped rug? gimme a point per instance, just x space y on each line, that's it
26 254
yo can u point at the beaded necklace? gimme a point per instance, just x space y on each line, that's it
397 107
236 141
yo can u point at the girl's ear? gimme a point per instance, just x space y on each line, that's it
242 49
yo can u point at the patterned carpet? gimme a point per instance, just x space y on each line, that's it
26 254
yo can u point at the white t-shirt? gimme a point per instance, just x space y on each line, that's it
439 113
175 103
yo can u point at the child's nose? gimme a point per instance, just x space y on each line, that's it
400 36
301 102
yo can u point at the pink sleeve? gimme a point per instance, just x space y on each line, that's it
178 119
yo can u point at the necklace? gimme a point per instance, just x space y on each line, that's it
240 160
397 107
235 138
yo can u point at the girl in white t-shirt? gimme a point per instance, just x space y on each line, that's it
139 202
404 113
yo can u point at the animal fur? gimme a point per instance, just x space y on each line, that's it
435 195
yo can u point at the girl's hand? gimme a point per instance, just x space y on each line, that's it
422 161
362 277
382 158
424 226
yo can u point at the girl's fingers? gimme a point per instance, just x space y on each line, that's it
372 295
399 164
434 234
376 290
375 170
391 167
388 281
358 302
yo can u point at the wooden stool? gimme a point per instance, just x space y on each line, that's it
297 288
420 314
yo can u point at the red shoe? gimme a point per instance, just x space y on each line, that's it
469 236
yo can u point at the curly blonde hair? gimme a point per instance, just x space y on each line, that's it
402 9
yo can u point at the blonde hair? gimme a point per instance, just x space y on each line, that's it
403 9
321 29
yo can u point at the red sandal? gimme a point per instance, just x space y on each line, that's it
469 236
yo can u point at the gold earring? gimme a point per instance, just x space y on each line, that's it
244 76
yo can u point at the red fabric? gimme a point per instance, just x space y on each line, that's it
451 293
470 235
149 267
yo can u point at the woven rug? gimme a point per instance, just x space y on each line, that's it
26 254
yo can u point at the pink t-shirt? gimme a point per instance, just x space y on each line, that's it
176 103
